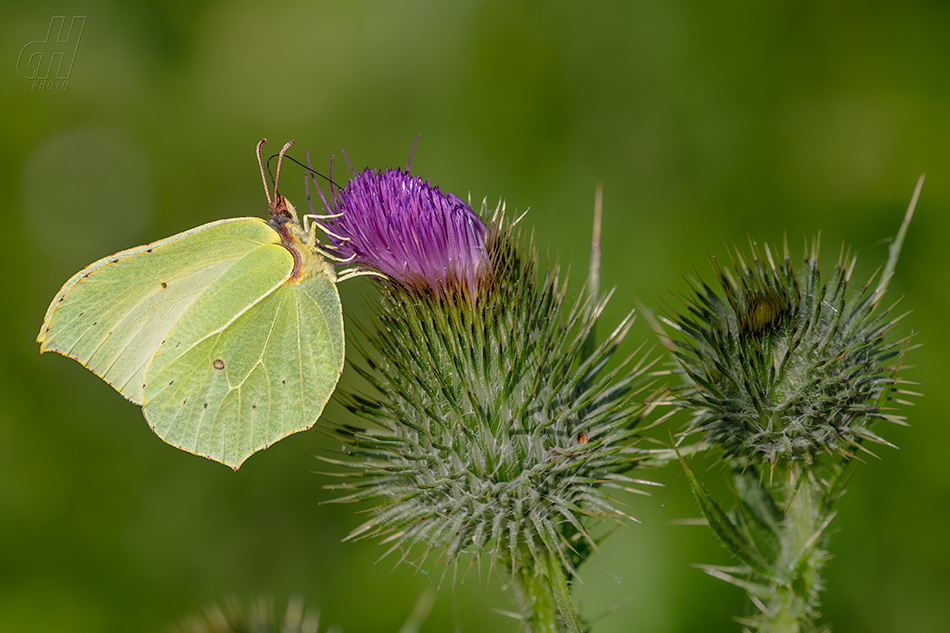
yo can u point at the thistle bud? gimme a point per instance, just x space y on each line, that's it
259 616
783 365
782 368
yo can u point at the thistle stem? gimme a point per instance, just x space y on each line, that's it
796 578
543 596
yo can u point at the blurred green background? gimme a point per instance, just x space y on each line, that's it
704 121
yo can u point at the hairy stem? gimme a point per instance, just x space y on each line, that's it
796 579
542 593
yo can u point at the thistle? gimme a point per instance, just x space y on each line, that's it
787 373
787 366
495 431
257 617
403 228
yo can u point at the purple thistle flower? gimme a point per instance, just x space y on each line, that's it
402 227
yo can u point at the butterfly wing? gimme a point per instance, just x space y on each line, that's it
208 331
230 390
113 315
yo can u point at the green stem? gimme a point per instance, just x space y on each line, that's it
542 593
796 579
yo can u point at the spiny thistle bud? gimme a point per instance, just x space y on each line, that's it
495 430
783 365
258 617
787 372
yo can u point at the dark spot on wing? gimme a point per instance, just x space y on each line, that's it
148 250
172 382
218 364
206 405
164 285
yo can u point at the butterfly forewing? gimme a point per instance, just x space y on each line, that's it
113 315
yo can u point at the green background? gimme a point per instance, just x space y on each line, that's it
704 122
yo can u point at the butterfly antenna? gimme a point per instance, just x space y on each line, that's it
280 158
260 162
313 172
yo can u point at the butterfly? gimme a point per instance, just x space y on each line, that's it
229 335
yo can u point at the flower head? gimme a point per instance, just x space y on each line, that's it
784 366
408 230
496 430
258 616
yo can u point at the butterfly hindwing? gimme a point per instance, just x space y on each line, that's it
268 374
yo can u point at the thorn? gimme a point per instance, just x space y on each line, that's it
895 248
594 273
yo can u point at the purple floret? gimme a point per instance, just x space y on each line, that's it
399 225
